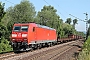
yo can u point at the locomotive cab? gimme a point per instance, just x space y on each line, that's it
19 36
19 33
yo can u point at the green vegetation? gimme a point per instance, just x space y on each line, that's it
85 54
4 43
88 31
74 22
69 20
25 12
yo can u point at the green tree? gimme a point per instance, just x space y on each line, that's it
4 43
23 12
2 12
74 22
68 20
68 29
48 16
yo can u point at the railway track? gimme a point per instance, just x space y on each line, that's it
51 53
9 55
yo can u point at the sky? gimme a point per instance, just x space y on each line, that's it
76 8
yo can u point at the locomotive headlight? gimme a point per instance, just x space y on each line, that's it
24 35
14 35
25 39
13 39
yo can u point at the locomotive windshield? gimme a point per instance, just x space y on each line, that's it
21 28
24 28
17 28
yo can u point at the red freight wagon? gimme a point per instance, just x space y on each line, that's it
71 36
29 35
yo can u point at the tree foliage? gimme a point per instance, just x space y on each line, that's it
68 29
68 20
4 43
74 22
23 12
2 12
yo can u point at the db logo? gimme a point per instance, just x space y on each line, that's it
19 35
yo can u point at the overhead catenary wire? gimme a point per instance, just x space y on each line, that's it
46 2
9 2
58 11
60 7
66 11
70 14
77 18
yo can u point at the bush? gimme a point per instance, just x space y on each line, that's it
87 44
4 45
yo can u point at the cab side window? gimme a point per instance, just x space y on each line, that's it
33 29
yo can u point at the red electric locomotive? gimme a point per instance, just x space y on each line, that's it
26 36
